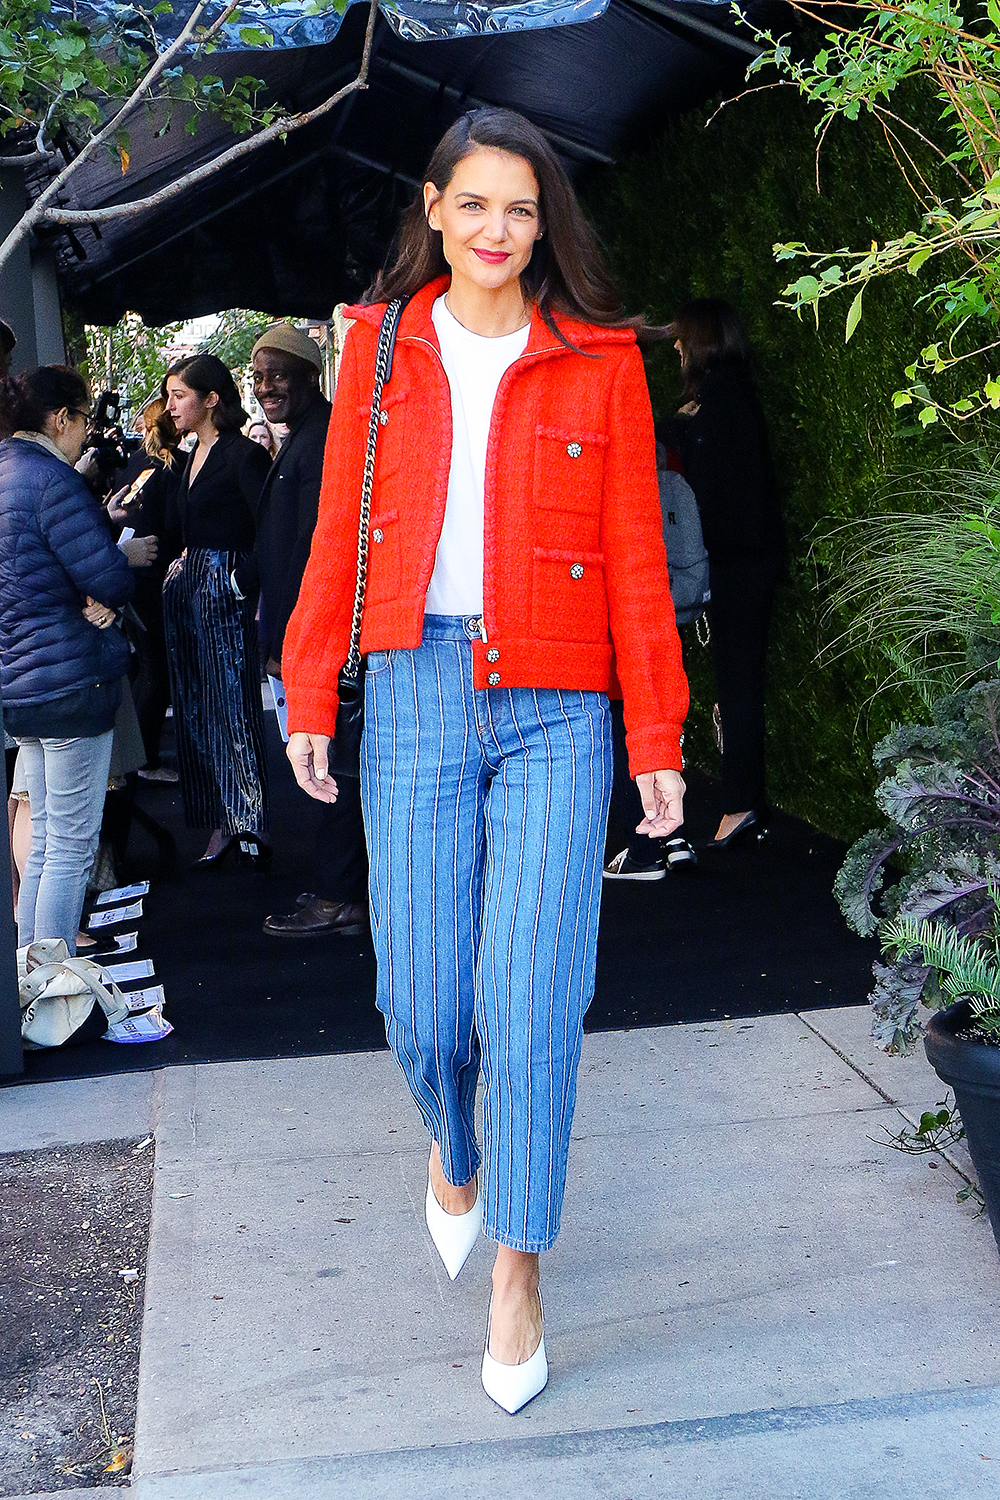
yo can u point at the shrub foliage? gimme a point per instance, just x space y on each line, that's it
697 213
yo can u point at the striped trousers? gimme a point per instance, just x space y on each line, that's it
211 639
485 813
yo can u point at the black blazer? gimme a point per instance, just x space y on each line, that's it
218 510
286 518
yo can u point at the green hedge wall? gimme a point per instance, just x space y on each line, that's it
696 214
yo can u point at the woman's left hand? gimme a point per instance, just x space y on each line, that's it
662 794
98 614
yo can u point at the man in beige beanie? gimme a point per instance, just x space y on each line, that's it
286 371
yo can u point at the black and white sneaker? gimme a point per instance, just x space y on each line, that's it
679 856
622 868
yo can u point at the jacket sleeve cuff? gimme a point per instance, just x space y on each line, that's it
313 712
654 749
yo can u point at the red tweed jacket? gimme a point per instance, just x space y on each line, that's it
576 593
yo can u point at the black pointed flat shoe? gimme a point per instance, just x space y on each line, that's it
209 861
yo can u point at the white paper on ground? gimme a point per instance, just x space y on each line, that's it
280 705
109 918
125 942
139 968
145 999
149 1027
123 893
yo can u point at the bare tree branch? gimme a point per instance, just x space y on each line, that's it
276 131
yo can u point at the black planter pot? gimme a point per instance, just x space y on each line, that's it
972 1070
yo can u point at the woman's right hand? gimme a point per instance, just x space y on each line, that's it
308 754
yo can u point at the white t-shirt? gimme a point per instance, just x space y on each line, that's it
474 366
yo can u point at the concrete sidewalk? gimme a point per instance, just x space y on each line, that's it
787 1309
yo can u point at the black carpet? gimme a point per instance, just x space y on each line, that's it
755 931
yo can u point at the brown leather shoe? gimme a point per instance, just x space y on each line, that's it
313 916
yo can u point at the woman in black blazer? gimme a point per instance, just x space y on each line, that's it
721 436
209 622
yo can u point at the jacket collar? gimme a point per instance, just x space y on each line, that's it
42 441
416 323
316 414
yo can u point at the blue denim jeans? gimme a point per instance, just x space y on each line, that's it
67 781
485 813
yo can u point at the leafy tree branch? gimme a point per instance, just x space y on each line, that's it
892 61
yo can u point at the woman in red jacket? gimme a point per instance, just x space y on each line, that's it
516 574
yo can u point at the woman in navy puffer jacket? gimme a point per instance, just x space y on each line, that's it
62 579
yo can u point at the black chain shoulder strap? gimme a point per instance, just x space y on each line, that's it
383 370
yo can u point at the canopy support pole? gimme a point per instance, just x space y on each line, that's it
695 23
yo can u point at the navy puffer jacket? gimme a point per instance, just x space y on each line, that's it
54 551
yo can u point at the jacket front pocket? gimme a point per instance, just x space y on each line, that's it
568 597
569 469
391 432
383 556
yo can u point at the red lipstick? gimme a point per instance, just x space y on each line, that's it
493 257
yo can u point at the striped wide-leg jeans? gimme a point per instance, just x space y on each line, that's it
485 813
211 639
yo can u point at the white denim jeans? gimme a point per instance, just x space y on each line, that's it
67 780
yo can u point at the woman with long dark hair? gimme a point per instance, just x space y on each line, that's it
210 629
721 435
515 552
62 583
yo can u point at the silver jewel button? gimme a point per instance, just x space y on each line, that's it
494 679
493 654
377 534
383 417
576 571
574 450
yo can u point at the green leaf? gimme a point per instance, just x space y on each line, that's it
917 260
66 48
853 316
926 416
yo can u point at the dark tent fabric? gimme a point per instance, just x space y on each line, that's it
302 224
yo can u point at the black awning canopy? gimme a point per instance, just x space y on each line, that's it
302 224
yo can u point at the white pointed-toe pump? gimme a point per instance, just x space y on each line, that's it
513 1386
453 1234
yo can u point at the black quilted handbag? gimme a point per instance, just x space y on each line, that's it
345 747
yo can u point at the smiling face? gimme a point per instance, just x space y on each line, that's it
190 410
283 384
488 216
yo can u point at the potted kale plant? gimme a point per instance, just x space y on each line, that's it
939 922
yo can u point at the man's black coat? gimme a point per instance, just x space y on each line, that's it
286 517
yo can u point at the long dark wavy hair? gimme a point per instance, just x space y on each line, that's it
711 333
204 373
567 271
